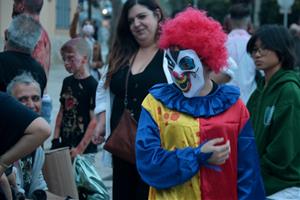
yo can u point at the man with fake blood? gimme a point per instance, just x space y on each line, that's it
194 139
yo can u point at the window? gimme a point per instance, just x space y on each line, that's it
63 14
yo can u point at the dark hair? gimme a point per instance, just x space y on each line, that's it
124 44
278 39
34 6
239 11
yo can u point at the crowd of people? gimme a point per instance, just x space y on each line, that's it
216 106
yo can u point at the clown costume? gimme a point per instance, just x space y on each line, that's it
194 139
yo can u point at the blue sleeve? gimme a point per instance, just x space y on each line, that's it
250 184
161 168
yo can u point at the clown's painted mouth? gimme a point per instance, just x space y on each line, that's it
184 82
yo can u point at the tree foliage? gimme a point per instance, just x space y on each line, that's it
216 8
270 12
219 8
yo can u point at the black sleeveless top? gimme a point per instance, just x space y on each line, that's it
138 86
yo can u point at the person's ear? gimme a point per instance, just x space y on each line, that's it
158 14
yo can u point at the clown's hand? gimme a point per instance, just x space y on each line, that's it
219 152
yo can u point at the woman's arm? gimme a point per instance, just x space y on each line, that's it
99 132
73 26
101 94
100 109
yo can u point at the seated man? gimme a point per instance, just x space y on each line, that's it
29 178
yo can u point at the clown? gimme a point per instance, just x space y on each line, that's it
194 139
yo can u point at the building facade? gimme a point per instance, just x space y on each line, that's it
55 17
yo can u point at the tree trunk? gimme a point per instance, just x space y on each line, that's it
256 13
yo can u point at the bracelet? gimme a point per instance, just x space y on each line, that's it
5 166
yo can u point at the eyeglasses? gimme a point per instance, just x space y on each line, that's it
261 50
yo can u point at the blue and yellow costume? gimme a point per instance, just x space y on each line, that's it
169 137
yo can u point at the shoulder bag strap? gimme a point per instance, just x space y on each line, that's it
126 81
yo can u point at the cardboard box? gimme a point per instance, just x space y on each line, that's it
59 173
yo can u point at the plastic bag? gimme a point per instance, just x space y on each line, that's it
89 183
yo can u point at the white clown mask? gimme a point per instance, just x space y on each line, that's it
186 70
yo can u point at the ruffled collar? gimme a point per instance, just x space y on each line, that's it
206 106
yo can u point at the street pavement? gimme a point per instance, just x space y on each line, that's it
57 74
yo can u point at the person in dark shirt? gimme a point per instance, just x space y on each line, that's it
21 129
134 52
75 119
42 50
27 179
22 36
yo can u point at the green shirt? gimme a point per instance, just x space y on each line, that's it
275 115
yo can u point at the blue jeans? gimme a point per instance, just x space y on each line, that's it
46 108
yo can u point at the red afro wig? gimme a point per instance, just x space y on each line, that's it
192 29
